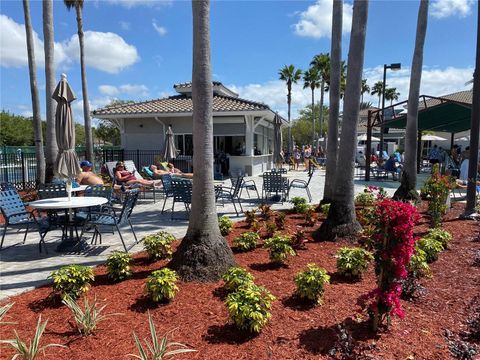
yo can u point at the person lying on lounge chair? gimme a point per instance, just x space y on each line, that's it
126 177
170 169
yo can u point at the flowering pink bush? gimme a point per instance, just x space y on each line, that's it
393 244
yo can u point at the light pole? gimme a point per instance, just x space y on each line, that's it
396 66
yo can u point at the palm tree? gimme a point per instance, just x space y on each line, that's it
341 220
37 120
322 63
334 96
409 175
365 89
391 94
311 79
290 75
51 148
377 89
78 5
203 254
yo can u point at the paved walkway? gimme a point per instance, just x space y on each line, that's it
22 267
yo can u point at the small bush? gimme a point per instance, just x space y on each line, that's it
309 216
442 236
225 224
250 217
280 221
72 280
311 283
325 208
249 307
236 277
299 240
88 317
161 285
159 245
365 199
299 204
418 266
353 262
246 241
256 225
119 265
280 247
271 228
158 350
265 211
431 247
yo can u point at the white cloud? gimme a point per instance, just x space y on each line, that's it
133 3
161 30
445 8
107 52
125 25
127 89
316 21
13 45
104 51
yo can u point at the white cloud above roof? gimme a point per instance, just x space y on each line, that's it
161 30
446 8
134 3
126 89
316 21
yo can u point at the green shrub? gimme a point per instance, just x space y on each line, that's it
431 247
280 220
225 224
265 211
325 208
158 350
161 285
248 307
418 266
250 217
437 190
442 236
247 241
299 240
256 225
365 199
309 215
280 247
236 277
311 283
119 265
271 228
159 245
353 262
299 204
88 317
72 280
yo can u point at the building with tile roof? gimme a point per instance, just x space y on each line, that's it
242 129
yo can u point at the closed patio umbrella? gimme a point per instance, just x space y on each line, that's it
277 141
432 138
67 165
170 152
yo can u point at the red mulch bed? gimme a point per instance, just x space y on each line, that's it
296 330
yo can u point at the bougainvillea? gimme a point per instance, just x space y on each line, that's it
393 244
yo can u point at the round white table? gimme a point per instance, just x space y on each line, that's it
69 243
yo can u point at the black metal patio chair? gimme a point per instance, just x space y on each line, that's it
274 183
182 192
231 194
302 184
248 185
167 189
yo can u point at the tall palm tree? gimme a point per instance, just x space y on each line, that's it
322 63
78 5
407 189
51 148
341 220
203 254
365 89
37 120
311 79
391 94
377 89
291 76
334 97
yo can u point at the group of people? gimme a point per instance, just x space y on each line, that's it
453 163
299 154
392 163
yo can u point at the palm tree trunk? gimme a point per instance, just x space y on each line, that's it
341 220
313 118
37 120
203 254
474 130
289 103
51 148
86 106
407 189
322 99
334 96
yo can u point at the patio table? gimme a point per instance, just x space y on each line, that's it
69 243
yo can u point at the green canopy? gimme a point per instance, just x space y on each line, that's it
448 117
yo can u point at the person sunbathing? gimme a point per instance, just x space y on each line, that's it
169 169
126 177
87 176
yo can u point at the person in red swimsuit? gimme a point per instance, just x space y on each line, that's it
128 178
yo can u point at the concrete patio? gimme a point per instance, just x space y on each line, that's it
22 267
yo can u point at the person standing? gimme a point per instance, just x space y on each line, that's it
307 154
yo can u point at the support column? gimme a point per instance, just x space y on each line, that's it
452 140
249 128
369 146
419 151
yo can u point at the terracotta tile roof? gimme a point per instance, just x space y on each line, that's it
180 104
464 97
188 84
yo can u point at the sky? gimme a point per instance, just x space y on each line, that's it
138 49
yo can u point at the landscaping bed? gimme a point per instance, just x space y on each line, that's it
297 330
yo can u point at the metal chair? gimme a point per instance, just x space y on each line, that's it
302 184
112 219
273 182
16 215
231 193
248 185
167 189
182 192
49 191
